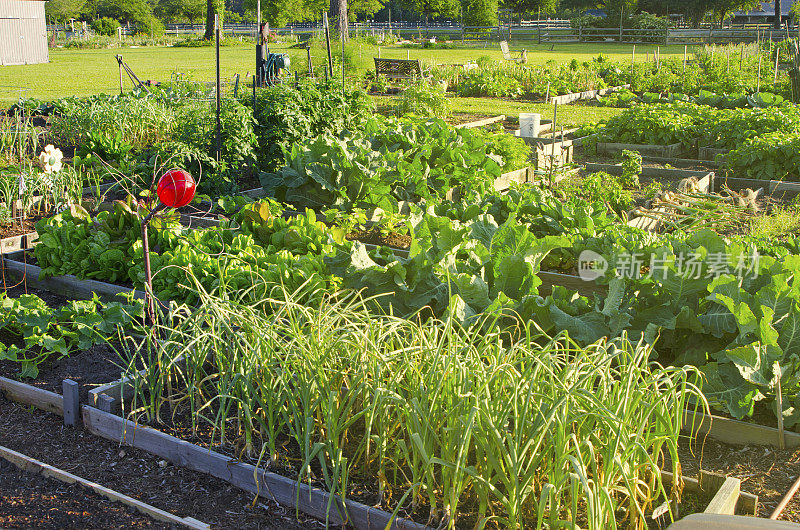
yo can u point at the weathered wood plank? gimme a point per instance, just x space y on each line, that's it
726 497
711 521
587 94
481 123
120 391
651 172
66 285
280 489
29 395
255 193
710 153
737 432
26 463
681 162
671 150
520 176
193 221
17 243
71 402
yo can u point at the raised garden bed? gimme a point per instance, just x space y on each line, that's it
140 475
16 243
15 267
667 151
588 94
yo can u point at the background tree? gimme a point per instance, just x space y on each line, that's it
364 8
479 12
278 13
213 7
180 10
63 10
435 8
130 11
721 9
777 20
337 15
532 7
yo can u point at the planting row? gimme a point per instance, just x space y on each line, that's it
759 143
483 257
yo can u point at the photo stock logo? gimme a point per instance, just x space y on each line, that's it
591 265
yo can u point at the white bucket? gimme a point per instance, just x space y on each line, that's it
529 124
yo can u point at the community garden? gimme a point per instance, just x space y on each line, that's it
378 306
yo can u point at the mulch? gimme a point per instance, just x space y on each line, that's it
764 471
19 227
139 474
30 500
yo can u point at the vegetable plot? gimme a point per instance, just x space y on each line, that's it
37 332
763 142
393 160
455 427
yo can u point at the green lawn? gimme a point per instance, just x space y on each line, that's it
86 72
572 115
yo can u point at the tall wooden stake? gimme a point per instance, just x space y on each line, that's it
218 30
328 43
777 59
758 83
685 50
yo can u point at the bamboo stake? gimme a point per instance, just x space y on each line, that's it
741 58
758 83
779 403
685 50
777 59
785 500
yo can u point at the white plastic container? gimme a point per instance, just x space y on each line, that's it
529 124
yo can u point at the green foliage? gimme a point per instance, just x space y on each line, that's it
142 120
285 115
39 332
480 13
5 215
63 10
194 140
390 161
105 26
267 253
631 168
424 99
110 149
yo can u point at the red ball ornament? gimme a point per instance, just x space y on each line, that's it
176 188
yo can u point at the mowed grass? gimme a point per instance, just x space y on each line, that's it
86 72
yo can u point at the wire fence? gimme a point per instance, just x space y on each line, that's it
544 31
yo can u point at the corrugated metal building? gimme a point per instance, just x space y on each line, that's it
23 33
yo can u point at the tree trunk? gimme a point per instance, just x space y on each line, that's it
338 13
777 22
211 10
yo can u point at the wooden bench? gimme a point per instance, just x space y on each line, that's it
523 56
398 68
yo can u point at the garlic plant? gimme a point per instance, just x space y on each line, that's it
453 426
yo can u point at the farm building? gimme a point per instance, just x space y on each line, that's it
765 13
23 33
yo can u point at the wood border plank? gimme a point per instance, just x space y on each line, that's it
735 432
66 285
481 123
30 395
31 465
285 491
